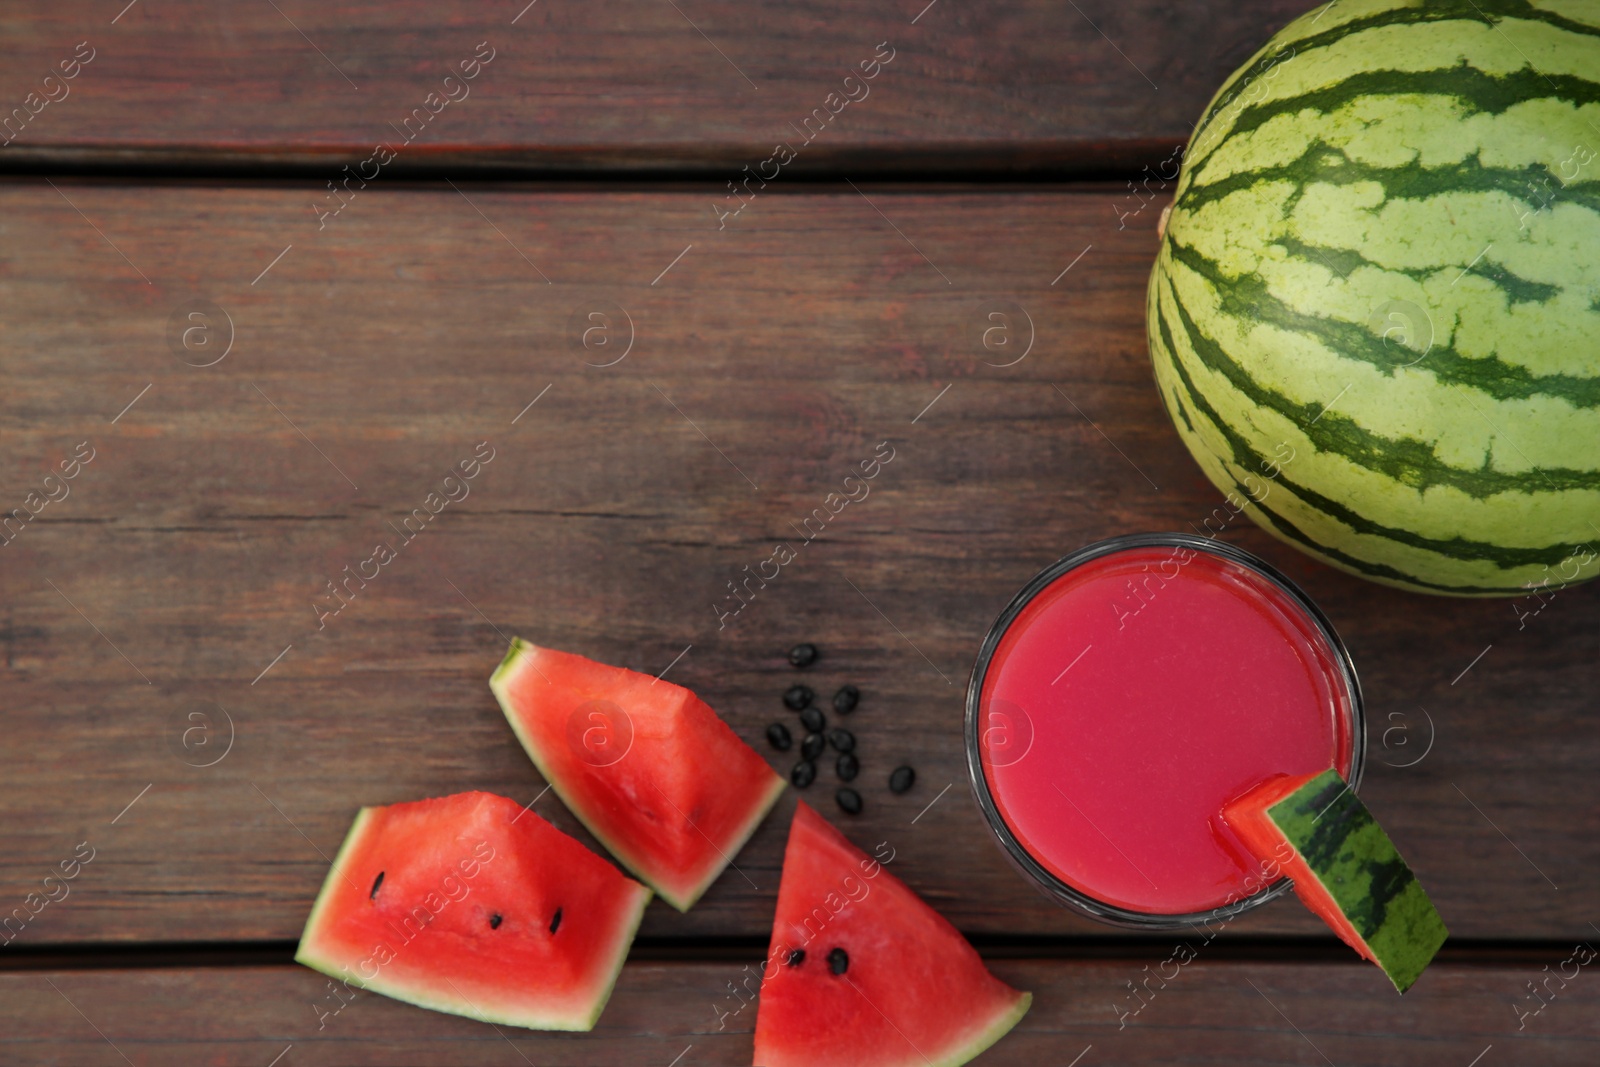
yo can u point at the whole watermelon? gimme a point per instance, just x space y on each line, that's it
1375 315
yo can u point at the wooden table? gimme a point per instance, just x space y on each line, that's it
172 706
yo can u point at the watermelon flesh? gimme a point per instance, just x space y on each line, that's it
862 973
1345 869
472 905
647 766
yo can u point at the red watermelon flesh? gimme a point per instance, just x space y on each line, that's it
910 991
651 770
471 904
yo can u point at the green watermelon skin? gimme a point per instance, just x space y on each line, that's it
1374 312
1347 870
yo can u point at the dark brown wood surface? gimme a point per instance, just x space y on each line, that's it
181 576
1228 1013
701 85
177 707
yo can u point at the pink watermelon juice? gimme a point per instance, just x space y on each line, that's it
1126 695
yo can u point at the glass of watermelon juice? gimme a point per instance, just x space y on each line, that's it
1124 696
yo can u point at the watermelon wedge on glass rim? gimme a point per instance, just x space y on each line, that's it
647 766
473 905
1313 828
862 973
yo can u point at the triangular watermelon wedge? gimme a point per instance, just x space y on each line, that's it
862 973
655 775
1313 828
472 905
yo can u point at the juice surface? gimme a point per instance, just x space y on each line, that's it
1135 695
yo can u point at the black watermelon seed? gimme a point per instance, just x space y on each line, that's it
842 740
846 699
778 737
803 774
376 882
797 697
847 766
849 800
902 779
812 720
555 923
838 961
803 655
495 920
797 957
811 747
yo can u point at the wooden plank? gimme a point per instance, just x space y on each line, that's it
1227 1013
177 585
702 86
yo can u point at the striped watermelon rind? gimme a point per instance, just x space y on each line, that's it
1345 869
1375 264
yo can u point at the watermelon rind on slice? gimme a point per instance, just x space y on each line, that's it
472 905
861 972
648 767
1344 868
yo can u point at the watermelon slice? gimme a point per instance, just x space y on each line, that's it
652 771
1345 868
862 973
471 904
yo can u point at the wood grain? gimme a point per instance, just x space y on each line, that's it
991 87
180 577
1249 1014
